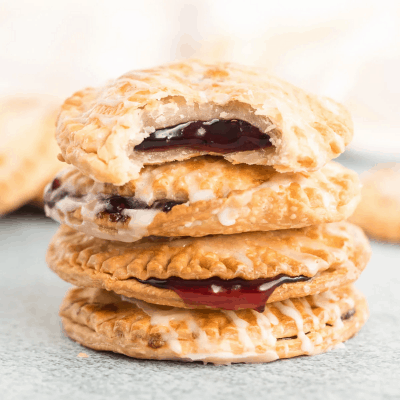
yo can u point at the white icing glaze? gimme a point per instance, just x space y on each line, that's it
227 216
309 311
206 194
227 357
221 352
140 219
312 262
287 308
264 287
265 325
327 302
200 189
271 316
241 326
164 317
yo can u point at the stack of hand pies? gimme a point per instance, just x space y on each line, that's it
202 218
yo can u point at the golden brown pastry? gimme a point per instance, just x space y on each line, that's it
379 210
186 109
103 320
215 271
28 150
202 196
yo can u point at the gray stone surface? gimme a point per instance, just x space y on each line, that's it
38 362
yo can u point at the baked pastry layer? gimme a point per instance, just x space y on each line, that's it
28 150
379 210
104 321
331 254
98 128
202 196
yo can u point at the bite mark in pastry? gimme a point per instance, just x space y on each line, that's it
109 133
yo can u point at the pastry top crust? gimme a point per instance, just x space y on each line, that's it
98 128
207 178
253 255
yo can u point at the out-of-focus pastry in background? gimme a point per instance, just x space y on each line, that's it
28 150
379 210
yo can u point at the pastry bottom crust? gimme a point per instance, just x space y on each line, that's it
103 320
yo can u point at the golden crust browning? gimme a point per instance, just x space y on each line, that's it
218 198
98 128
333 254
102 320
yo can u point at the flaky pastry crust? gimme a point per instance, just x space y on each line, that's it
98 128
101 320
217 197
28 150
378 213
332 254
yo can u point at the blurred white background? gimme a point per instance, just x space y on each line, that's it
349 50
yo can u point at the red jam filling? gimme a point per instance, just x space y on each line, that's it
217 136
233 294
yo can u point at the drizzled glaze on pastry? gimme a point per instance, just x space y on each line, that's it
217 136
232 294
217 197
112 207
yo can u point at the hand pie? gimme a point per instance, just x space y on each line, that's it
311 325
186 109
202 196
379 210
232 272
28 151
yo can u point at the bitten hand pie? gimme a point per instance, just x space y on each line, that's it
28 151
231 272
202 196
103 320
186 109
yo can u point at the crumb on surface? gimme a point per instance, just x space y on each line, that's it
83 355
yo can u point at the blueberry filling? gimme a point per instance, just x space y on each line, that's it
348 315
53 195
114 205
217 136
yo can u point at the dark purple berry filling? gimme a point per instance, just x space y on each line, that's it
217 136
